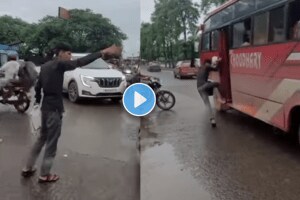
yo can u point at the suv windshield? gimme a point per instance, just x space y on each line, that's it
97 64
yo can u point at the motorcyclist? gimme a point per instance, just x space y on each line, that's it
17 73
138 77
10 72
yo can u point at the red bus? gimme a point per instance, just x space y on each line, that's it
259 42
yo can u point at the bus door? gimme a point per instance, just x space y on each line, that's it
220 48
225 87
216 43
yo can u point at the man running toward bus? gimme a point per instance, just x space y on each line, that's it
205 87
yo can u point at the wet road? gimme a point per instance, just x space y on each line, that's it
97 156
184 158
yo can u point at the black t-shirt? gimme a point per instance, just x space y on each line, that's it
51 81
203 74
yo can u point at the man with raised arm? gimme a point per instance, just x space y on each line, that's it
51 82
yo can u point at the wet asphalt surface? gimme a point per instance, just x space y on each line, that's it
182 156
97 156
241 159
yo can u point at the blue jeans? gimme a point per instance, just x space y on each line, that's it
49 135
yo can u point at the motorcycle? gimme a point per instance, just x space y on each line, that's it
165 99
16 95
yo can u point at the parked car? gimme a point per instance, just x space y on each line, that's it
183 69
95 80
154 68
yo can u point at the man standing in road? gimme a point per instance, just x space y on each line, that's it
204 86
51 82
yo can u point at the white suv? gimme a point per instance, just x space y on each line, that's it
95 80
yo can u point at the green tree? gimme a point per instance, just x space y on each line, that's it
166 28
12 30
148 46
187 14
85 32
167 36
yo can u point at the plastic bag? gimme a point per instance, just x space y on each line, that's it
36 119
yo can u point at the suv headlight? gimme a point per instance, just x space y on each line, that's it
123 78
86 80
127 71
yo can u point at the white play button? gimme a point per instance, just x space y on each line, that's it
138 99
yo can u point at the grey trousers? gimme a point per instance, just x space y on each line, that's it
203 91
49 135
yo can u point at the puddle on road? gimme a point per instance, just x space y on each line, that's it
163 178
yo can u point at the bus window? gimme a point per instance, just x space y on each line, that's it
264 3
276 30
228 14
206 42
242 34
198 43
294 21
214 40
242 7
208 24
261 29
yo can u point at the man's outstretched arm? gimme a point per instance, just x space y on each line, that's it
73 64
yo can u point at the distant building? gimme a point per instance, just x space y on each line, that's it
10 50
3 57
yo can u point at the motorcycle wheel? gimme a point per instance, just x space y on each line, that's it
165 100
23 102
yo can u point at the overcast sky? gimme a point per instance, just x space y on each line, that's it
126 14
147 8
123 13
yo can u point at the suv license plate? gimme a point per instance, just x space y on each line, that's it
110 90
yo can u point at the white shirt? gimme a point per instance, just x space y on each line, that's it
10 70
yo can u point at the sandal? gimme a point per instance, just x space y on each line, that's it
213 122
51 178
28 173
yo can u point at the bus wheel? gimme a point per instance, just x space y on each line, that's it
220 106
298 135
295 134
295 126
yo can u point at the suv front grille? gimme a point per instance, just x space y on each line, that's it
108 82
